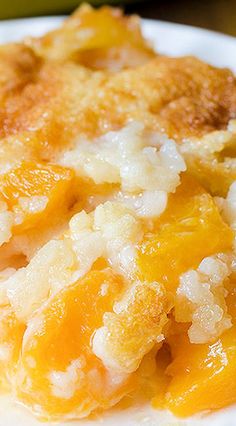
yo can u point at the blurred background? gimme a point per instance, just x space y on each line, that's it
218 15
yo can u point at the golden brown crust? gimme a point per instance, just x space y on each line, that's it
183 97
18 66
46 100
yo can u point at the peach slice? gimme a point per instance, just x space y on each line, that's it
35 191
203 375
190 229
59 376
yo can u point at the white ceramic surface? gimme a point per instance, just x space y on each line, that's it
173 40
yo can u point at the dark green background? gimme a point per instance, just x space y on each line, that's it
219 15
19 8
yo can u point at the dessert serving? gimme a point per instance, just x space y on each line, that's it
117 223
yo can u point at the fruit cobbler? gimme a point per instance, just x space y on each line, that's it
117 223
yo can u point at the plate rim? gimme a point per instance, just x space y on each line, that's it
144 21
200 30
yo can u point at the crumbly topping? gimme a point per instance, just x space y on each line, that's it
203 293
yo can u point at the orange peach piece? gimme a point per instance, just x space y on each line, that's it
36 191
190 229
11 335
203 376
59 376
93 31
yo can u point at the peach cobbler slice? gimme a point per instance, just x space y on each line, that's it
117 248
94 304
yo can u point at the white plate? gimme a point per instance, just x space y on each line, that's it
174 40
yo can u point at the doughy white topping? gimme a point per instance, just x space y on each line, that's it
127 157
4 275
132 329
149 204
110 232
65 383
6 223
203 290
5 352
146 167
49 271
33 204
228 208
